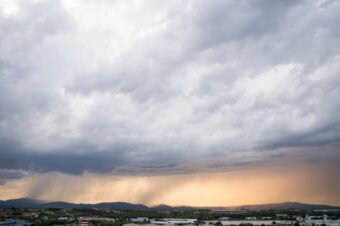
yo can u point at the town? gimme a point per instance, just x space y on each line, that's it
222 217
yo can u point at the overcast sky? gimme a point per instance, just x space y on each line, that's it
162 88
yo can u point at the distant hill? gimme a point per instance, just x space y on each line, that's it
287 206
32 203
164 207
24 202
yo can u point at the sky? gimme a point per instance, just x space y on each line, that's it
204 103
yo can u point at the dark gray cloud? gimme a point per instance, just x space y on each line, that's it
7 174
147 88
66 161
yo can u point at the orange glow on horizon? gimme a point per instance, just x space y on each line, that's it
206 189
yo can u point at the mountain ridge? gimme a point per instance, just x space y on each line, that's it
33 203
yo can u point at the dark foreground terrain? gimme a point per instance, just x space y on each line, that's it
33 212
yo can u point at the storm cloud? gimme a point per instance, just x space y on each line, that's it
152 87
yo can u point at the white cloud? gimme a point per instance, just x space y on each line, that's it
136 83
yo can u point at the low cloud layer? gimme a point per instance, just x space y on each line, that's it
152 88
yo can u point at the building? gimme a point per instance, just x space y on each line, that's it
83 222
139 219
97 219
318 221
255 222
251 218
173 221
228 212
